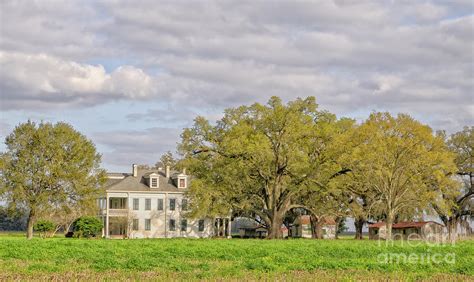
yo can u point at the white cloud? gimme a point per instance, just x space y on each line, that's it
130 81
34 80
57 27
385 83
194 58
136 146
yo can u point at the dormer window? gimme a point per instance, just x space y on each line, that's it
182 182
153 182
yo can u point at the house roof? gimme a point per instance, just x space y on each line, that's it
377 225
151 173
305 219
130 183
244 222
117 174
406 224
258 227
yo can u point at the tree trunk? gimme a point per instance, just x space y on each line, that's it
314 226
388 227
452 229
274 230
338 221
359 225
319 231
29 226
67 226
56 229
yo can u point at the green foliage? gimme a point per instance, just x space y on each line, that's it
260 159
44 227
167 159
264 160
87 227
236 259
457 205
399 164
462 143
49 167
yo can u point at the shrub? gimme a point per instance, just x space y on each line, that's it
43 227
87 226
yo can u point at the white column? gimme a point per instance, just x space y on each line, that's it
107 217
165 209
229 229
213 227
130 215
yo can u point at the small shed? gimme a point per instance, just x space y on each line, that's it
302 227
253 232
410 230
246 227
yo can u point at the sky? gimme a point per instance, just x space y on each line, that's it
130 75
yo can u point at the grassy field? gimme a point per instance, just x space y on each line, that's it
151 259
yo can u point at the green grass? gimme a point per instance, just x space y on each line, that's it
150 259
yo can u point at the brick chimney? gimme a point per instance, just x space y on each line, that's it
134 170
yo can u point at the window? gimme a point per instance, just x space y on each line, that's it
172 225
182 183
118 203
135 204
135 224
147 204
147 224
201 225
172 204
160 204
184 225
154 182
184 204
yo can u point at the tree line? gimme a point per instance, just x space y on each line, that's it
268 162
265 161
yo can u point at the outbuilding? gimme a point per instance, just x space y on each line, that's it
302 227
410 230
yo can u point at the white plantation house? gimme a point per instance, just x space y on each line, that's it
150 203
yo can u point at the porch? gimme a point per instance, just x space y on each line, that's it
222 227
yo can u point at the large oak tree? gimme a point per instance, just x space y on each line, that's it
48 166
396 162
259 160
458 208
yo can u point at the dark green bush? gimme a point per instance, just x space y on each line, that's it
87 227
44 227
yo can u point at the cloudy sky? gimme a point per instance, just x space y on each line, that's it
130 75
